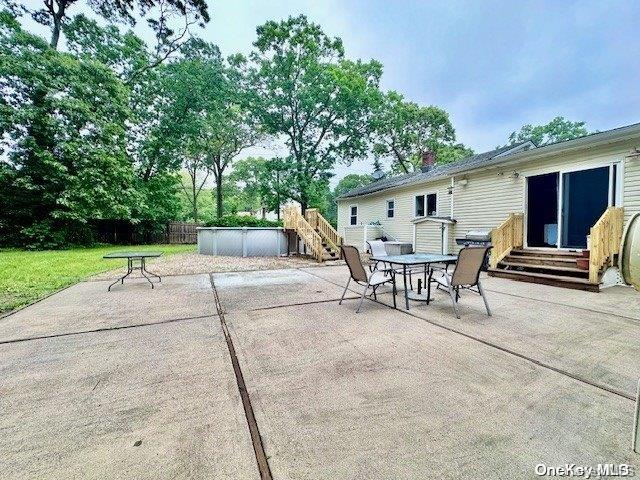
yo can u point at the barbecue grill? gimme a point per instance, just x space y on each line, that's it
477 238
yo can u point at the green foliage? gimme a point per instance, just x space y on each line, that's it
55 13
404 131
307 92
63 134
204 119
242 221
112 129
557 130
346 184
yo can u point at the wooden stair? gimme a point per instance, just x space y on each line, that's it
546 266
316 232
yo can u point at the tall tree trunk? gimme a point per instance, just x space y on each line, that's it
219 195
55 32
278 194
195 197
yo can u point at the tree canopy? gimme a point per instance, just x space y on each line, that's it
54 14
557 130
404 131
112 129
63 134
306 92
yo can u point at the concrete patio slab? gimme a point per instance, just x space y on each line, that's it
88 306
565 328
385 395
156 401
270 288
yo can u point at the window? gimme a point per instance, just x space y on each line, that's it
426 204
391 207
353 215
419 205
431 204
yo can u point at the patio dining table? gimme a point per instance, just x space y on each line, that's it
132 258
412 260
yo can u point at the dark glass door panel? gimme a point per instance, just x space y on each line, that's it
585 197
542 210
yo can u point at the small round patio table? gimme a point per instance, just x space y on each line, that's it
135 261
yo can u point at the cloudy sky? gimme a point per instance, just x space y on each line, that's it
493 65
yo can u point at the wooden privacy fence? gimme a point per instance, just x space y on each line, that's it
182 232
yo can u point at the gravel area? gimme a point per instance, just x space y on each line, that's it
192 263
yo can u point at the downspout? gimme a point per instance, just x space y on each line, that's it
451 216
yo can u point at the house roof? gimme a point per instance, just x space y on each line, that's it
510 154
468 163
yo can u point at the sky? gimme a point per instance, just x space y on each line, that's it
493 65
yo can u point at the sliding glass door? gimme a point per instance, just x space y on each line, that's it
585 197
563 206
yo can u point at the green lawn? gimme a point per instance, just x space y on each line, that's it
26 276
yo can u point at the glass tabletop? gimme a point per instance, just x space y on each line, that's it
416 258
132 254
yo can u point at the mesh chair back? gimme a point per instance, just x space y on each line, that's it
468 267
377 248
352 257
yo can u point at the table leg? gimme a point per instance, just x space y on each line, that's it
121 279
406 293
151 273
429 285
143 269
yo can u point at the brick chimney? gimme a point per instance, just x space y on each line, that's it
428 160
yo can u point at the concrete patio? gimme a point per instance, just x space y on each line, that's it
139 383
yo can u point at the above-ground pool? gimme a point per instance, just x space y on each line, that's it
242 241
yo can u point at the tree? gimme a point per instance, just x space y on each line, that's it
404 131
306 92
147 149
557 130
62 131
262 182
204 118
346 184
248 175
54 13
273 188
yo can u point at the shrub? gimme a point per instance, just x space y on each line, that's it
242 221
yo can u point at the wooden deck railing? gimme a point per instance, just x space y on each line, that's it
509 235
604 241
293 220
324 228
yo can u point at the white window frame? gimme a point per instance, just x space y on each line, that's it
392 209
425 195
351 216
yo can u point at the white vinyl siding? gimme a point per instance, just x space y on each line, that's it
489 196
429 238
374 209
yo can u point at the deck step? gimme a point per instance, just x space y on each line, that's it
545 252
546 279
570 271
552 261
